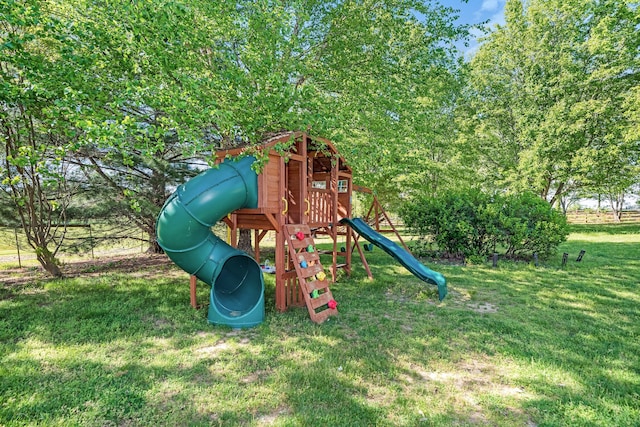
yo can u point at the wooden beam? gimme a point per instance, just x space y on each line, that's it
256 245
281 296
394 229
192 288
273 221
365 264
361 189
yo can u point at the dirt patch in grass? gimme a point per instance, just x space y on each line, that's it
483 307
137 264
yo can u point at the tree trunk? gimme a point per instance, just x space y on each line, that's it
48 261
244 241
617 201
154 247
557 195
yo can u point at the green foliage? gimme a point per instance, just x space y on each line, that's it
129 89
471 224
551 99
460 223
528 225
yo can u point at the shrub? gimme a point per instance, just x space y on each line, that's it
528 224
471 223
462 224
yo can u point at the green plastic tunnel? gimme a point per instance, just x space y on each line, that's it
184 232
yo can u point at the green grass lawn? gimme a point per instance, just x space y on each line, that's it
514 345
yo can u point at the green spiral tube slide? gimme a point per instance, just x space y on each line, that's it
183 231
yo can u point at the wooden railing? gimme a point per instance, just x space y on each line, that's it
601 217
320 203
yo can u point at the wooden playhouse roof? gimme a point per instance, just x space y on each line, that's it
320 161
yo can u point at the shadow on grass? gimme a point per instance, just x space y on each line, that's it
561 347
579 324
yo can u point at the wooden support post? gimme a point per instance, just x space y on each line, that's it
365 264
233 235
281 279
367 217
392 226
256 245
334 221
377 213
192 285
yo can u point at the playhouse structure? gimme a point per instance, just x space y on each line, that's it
303 191
306 189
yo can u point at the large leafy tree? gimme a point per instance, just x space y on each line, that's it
120 85
38 57
550 96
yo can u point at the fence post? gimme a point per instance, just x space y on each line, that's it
91 240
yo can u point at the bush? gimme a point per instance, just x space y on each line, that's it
462 224
528 225
470 224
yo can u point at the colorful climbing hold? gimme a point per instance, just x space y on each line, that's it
303 264
300 235
321 276
332 304
310 248
315 294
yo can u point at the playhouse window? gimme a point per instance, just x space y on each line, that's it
343 186
322 185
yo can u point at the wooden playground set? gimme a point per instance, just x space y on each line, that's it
304 193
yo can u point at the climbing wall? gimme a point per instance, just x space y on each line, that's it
311 276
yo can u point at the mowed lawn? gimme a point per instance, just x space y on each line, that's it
516 345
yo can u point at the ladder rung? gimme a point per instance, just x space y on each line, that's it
300 244
321 300
311 271
307 256
323 315
312 285
292 229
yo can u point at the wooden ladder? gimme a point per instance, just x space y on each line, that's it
316 292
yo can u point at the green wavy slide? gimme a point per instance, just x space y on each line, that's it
407 260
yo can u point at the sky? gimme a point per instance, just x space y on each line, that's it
475 12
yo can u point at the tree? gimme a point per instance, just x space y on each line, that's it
550 95
125 192
137 79
370 75
35 60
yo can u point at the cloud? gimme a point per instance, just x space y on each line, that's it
489 5
498 18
